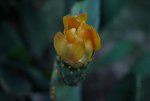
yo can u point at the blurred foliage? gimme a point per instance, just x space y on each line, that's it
110 9
127 37
26 56
26 48
121 50
143 64
125 90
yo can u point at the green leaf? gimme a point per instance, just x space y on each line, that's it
67 93
124 90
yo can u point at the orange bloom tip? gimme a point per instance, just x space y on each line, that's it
74 21
60 44
78 42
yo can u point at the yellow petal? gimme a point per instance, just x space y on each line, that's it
88 52
60 44
82 17
89 33
70 35
70 22
77 51
81 31
96 40
88 49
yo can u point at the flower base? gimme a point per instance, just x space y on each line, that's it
71 76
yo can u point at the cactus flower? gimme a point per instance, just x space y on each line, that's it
79 41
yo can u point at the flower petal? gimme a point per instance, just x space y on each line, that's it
79 41
88 49
60 44
88 52
96 39
77 51
82 17
89 33
71 35
70 22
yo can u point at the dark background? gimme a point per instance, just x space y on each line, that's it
120 69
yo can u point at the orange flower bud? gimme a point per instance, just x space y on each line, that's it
78 42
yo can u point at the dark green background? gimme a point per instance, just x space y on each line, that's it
121 69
